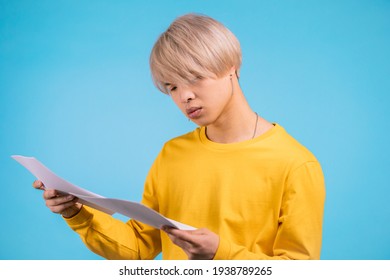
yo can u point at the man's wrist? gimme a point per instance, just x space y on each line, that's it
72 211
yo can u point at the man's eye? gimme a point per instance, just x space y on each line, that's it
196 80
173 88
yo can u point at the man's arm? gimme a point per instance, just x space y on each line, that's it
101 233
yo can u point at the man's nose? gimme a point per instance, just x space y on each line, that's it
186 95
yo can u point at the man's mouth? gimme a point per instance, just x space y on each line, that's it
194 112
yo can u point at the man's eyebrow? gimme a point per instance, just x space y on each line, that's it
167 84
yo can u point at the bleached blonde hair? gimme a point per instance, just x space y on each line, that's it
194 46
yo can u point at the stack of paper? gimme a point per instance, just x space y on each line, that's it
130 209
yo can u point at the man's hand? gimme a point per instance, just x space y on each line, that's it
200 244
66 205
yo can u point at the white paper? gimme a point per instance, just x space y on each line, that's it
130 209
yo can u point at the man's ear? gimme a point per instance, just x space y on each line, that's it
235 71
238 74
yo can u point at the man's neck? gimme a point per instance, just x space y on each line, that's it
237 123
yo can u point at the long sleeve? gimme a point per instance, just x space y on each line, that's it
114 239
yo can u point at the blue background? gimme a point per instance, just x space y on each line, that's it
76 93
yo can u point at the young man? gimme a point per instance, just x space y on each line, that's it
252 191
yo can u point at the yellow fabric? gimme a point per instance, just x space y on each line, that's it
264 197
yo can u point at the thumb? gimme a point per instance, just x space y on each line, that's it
38 185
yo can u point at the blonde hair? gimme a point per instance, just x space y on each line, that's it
194 46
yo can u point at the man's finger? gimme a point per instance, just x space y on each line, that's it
49 194
180 242
59 208
38 185
185 235
58 200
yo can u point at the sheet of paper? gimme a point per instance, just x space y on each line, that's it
130 209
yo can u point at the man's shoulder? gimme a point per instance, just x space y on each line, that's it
184 139
289 146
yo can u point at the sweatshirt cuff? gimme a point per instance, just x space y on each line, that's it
223 250
79 219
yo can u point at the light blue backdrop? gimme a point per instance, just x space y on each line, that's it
76 92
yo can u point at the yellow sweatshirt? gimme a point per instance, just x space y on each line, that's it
264 197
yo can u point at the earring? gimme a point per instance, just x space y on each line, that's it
231 83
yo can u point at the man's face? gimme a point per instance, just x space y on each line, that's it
203 100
